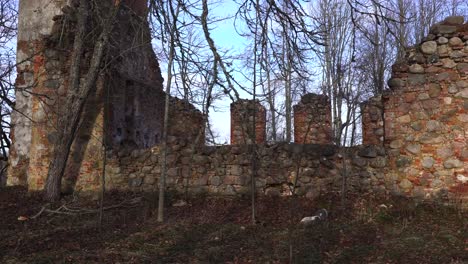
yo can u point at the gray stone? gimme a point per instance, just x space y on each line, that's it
234 170
448 63
431 138
360 162
454 20
414 148
453 163
147 169
444 152
443 50
433 125
442 40
416 79
443 29
150 180
455 41
452 89
136 182
434 90
464 153
396 83
436 183
457 54
417 126
416 68
429 47
462 68
405 184
173 172
427 162
462 84
395 144
368 152
463 118
404 119
462 94
403 161
215 180
378 162
423 96
200 159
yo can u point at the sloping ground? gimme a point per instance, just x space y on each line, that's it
218 230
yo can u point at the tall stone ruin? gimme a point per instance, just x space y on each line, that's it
124 111
425 115
247 117
312 120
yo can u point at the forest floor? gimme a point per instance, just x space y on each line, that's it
219 230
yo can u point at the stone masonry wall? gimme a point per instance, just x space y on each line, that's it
372 121
312 120
426 120
419 148
226 170
242 118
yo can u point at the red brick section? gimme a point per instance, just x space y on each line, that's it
312 120
426 120
242 117
372 121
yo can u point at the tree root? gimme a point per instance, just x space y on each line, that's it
65 209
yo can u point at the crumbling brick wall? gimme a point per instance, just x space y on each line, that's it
242 122
372 121
312 120
426 120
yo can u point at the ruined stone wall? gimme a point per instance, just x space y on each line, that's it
372 121
127 99
226 170
426 120
242 122
418 148
312 120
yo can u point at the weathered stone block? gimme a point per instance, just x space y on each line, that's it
429 47
405 184
416 79
453 163
416 68
414 148
455 41
378 162
368 152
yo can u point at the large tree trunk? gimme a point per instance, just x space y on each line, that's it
76 98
